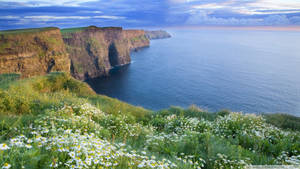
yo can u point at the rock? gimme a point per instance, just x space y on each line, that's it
87 52
94 51
159 34
32 52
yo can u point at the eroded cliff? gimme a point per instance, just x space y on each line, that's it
94 51
31 52
87 52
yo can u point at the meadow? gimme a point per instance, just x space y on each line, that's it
55 121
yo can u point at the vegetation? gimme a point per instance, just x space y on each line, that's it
59 122
72 30
284 121
139 38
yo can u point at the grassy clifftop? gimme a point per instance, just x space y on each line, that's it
55 121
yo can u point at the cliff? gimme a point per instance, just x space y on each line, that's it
94 51
33 52
159 34
87 52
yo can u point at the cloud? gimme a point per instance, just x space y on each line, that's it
295 20
33 3
202 18
277 20
90 11
9 17
109 17
48 18
142 13
251 7
44 18
181 1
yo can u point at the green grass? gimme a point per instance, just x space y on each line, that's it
68 114
72 30
78 29
284 121
57 87
7 79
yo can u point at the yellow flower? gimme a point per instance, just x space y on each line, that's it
6 166
4 147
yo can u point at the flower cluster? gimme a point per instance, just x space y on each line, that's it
82 136
71 143
223 161
284 158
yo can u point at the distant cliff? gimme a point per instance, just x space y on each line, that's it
33 52
87 52
94 51
160 34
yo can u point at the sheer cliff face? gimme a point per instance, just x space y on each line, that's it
33 52
85 52
94 51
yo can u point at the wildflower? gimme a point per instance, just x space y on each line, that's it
3 147
53 165
6 166
28 146
40 144
141 165
72 154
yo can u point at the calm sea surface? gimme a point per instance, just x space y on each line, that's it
240 70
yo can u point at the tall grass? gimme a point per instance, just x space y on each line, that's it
27 96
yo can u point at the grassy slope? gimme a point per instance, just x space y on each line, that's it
58 87
172 134
71 30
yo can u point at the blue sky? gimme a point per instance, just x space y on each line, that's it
148 13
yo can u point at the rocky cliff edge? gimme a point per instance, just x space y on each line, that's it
87 52
32 52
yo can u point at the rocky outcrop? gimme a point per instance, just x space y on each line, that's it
160 34
87 52
33 52
94 51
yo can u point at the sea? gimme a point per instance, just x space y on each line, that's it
250 71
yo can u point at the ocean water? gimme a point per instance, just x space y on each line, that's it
240 70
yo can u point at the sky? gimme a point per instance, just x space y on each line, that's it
148 13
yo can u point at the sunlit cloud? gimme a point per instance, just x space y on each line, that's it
253 7
275 4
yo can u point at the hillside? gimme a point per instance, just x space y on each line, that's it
55 121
